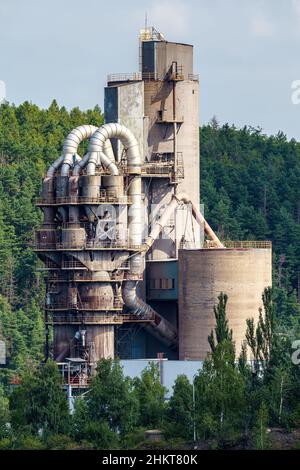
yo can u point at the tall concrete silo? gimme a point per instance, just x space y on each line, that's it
242 273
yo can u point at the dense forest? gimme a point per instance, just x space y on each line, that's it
30 139
250 187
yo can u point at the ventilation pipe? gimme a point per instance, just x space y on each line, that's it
162 222
158 326
71 145
70 158
134 164
70 148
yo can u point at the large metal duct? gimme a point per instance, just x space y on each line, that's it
71 145
70 148
134 164
159 327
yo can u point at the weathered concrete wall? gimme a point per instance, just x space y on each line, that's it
160 139
125 104
159 55
99 339
242 274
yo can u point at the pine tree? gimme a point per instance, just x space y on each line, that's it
40 403
222 331
261 339
151 397
111 398
180 409
260 429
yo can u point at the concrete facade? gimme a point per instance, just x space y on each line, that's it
242 274
162 110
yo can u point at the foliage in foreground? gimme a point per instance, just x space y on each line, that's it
231 405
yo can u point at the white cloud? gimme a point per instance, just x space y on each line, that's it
169 16
260 26
296 7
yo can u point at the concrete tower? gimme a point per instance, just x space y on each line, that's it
160 105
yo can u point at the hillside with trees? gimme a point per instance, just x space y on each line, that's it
30 139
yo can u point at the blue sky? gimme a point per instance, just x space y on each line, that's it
247 52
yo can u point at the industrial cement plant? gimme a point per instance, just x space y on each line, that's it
134 269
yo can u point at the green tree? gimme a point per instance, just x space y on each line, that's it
111 398
220 391
260 428
4 414
261 337
151 397
39 403
222 331
180 412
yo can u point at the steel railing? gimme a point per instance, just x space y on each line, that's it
66 264
248 244
87 277
138 76
101 319
90 245
73 200
78 305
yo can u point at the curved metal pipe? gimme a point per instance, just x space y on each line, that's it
157 325
134 167
70 148
72 143
118 131
160 224
55 166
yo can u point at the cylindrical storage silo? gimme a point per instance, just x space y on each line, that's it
241 273
74 237
89 193
114 185
96 295
63 336
100 341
